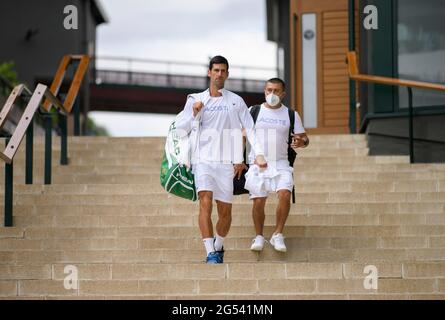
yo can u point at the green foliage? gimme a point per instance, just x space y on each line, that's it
7 73
94 130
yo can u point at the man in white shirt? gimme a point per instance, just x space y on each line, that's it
272 129
218 157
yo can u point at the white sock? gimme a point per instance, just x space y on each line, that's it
208 243
219 242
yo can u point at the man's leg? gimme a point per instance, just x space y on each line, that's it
205 220
223 224
283 209
205 214
258 214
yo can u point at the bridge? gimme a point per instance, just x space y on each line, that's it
156 86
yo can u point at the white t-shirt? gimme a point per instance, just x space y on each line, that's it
272 132
220 130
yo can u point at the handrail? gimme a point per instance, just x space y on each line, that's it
25 125
75 84
41 91
14 95
354 74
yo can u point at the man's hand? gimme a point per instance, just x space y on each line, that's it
261 162
197 106
239 168
299 141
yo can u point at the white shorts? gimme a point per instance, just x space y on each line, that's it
285 182
217 178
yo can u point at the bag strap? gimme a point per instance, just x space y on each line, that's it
291 130
292 123
255 111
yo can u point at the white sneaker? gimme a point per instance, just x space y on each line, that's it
257 243
277 241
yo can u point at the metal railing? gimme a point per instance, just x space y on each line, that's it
174 74
39 102
354 74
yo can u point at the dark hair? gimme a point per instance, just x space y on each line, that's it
218 60
277 80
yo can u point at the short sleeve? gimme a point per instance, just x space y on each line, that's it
298 125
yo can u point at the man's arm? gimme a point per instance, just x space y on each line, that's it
240 167
299 136
249 126
184 121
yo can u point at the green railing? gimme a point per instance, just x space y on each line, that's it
40 102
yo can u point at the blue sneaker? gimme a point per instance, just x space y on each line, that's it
213 258
221 255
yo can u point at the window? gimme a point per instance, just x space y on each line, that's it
421 49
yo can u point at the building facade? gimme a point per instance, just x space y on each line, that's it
35 38
405 40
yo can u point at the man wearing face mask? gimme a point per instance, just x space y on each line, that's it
272 125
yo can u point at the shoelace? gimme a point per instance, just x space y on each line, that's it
265 241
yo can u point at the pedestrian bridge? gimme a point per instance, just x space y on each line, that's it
162 86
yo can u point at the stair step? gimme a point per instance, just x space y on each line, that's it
174 232
163 198
191 209
124 220
423 187
361 255
234 243
132 160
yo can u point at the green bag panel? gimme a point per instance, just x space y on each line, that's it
176 179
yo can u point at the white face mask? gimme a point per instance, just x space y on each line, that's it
272 99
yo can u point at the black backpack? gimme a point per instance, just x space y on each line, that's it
238 185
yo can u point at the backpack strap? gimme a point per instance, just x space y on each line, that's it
292 123
255 111
291 154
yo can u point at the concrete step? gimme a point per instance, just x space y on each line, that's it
152 153
268 289
300 174
191 209
39 146
238 271
166 199
152 187
134 160
153 180
160 256
183 232
334 138
245 219
233 243
328 171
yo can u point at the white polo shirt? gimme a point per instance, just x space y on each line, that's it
272 132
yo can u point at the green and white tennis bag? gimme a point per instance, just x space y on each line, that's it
176 173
